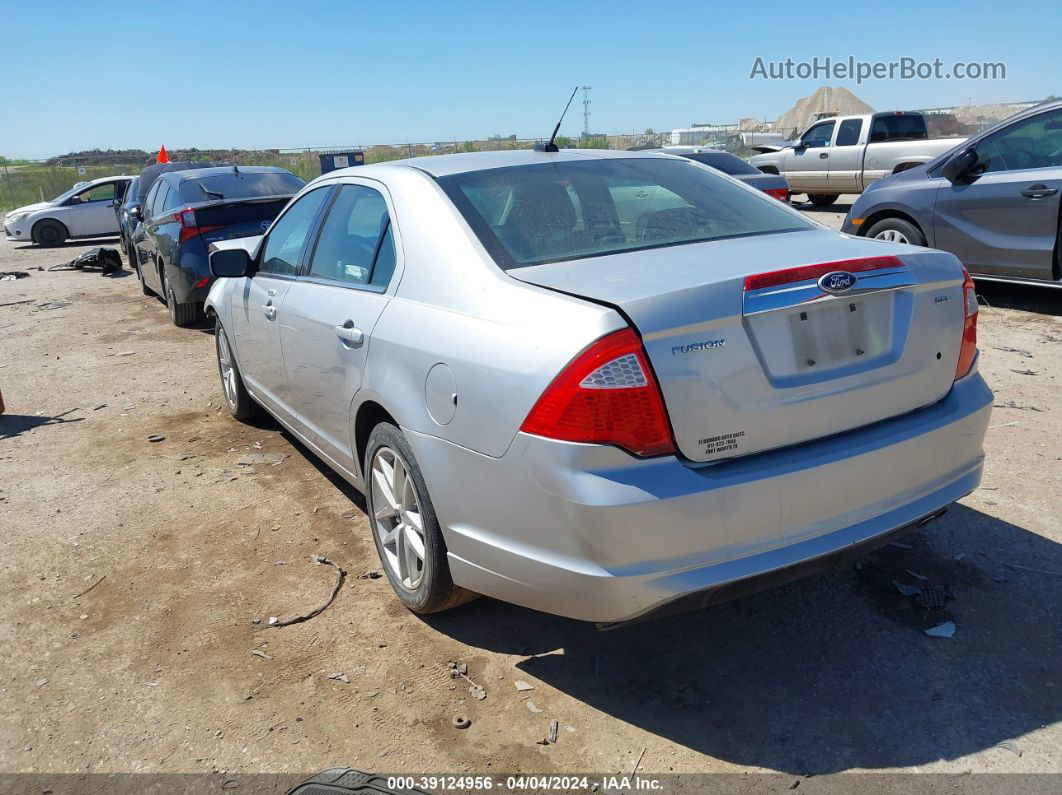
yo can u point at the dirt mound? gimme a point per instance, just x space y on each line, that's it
826 99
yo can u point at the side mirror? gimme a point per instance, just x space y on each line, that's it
134 213
230 262
800 146
959 165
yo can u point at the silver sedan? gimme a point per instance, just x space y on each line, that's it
602 384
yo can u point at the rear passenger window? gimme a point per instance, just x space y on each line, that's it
288 234
848 134
160 200
351 236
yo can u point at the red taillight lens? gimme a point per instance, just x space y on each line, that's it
968 350
189 227
782 194
758 281
607 395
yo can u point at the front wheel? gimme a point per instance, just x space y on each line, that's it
49 233
822 199
897 230
241 405
404 526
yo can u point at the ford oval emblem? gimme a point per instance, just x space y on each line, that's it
837 282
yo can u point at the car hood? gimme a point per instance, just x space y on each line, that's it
29 208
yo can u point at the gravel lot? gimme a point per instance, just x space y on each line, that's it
130 573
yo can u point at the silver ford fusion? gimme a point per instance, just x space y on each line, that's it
602 384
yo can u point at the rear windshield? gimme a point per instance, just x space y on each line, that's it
242 185
725 162
904 127
529 215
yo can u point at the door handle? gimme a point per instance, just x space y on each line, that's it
270 311
823 155
1038 191
348 333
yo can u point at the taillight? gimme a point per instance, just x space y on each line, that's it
782 194
758 281
606 395
968 350
189 227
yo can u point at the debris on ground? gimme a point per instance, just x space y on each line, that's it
260 653
458 669
916 575
521 686
251 459
553 728
42 681
370 575
54 304
82 593
1026 371
906 590
340 677
1010 745
10 276
532 708
108 260
1008 349
319 560
934 597
475 690
156 437
461 722
945 630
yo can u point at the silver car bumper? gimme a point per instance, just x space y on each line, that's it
591 533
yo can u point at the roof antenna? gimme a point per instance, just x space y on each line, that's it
551 146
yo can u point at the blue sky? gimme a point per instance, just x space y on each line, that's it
264 74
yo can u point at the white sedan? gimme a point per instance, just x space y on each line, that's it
86 210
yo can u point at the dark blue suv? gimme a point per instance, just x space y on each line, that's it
186 211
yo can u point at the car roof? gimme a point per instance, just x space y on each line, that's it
215 171
690 150
447 165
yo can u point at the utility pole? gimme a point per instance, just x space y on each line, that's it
586 111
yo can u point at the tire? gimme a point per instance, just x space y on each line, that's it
49 233
822 199
139 273
181 314
897 230
241 405
429 589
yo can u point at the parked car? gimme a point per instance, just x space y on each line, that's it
993 201
729 163
846 154
126 224
86 210
185 211
602 384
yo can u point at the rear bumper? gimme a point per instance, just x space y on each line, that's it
592 533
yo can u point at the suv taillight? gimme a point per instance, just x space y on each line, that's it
782 194
968 350
606 395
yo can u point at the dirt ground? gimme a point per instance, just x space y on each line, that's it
131 572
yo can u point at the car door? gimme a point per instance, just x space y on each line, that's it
148 244
257 309
1004 219
807 166
143 246
330 312
846 158
91 212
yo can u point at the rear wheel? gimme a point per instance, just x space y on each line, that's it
822 199
180 314
897 230
241 404
404 526
49 233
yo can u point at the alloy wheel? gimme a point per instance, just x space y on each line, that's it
892 236
397 520
228 369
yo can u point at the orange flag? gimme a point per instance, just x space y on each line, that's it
163 157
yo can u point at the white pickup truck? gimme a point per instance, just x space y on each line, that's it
844 154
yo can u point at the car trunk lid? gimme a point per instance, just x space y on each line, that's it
751 365
232 218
